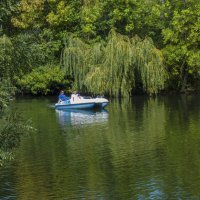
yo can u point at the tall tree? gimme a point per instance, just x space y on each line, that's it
182 40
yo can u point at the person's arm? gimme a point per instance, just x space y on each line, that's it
59 100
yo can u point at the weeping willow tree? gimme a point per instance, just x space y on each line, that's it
116 66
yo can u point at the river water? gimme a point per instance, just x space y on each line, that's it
143 148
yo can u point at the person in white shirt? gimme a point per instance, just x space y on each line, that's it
75 96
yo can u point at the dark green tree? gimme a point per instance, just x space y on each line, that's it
182 39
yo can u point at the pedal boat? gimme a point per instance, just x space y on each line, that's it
79 102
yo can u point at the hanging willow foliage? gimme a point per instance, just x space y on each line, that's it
115 67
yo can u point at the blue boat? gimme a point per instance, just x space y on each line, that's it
66 106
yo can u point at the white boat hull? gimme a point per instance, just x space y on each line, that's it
81 103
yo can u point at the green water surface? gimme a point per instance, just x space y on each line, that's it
143 148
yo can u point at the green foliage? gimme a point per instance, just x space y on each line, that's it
64 13
115 67
43 80
91 19
31 14
7 9
182 43
6 93
12 126
30 52
42 26
6 56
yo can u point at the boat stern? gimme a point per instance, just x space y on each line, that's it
101 102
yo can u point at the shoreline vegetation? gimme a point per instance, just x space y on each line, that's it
111 48
12 125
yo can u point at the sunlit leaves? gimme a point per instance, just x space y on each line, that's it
64 14
31 14
43 80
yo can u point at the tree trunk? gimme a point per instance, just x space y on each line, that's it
184 81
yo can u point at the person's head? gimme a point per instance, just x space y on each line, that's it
61 92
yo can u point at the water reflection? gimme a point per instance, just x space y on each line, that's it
145 148
81 117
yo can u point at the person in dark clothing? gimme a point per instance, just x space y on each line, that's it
62 96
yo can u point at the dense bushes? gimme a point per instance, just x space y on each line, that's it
43 80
